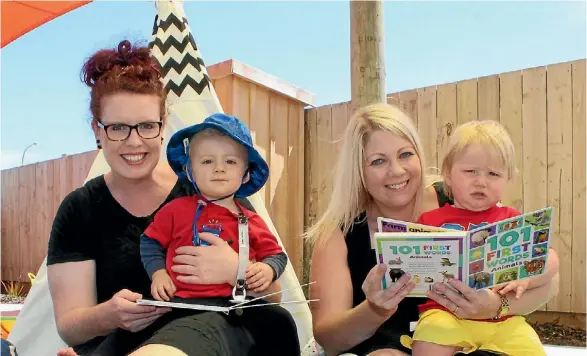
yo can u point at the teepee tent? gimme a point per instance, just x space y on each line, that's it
191 98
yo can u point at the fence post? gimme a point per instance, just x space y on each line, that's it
367 53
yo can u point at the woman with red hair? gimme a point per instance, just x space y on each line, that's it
94 268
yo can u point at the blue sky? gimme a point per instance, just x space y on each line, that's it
304 43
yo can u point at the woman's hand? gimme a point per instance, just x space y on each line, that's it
469 303
214 264
384 302
124 313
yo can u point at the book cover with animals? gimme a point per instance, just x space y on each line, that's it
485 257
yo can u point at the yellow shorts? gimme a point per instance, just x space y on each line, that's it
512 337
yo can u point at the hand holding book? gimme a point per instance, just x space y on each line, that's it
384 302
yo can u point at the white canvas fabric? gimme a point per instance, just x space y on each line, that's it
191 99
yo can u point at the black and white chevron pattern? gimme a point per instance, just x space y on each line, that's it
173 45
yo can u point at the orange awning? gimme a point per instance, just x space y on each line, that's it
20 17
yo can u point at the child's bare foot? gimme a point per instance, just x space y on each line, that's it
388 352
66 352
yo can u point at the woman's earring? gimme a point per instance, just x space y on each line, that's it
98 144
161 139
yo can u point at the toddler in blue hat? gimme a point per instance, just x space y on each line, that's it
218 158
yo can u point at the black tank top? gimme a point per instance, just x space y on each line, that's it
361 259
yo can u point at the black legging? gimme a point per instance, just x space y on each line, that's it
273 330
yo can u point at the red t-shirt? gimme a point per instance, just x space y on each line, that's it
450 217
172 228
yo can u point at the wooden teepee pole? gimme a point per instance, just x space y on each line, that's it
367 53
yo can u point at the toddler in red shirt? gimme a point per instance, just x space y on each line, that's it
218 158
480 161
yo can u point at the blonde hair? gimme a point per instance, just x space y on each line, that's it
487 133
349 195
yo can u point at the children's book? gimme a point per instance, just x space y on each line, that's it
198 305
390 225
222 306
487 256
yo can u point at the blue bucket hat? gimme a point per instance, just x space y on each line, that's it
179 160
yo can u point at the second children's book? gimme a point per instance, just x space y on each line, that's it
485 257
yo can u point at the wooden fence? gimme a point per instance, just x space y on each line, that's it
543 109
31 195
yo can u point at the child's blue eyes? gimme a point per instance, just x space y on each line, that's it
209 161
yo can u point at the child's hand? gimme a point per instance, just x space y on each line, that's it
162 287
519 286
259 276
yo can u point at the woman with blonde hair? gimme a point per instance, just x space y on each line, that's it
381 172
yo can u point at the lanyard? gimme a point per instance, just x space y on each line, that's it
195 236
239 292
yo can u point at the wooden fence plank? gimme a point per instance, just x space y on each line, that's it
311 186
43 218
511 118
488 98
560 173
295 199
408 102
223 88
260 125
577 279
25 218
446 114
427 124
325 154
535 149
467 101
278 182
340 119
10 205
534 128
241 101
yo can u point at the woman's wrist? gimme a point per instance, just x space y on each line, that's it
378 311
83 324
494 306
104 314
503 308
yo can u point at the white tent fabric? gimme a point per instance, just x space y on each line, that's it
191 98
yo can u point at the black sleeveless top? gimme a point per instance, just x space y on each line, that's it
361 259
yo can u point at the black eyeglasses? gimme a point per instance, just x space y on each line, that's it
120 132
